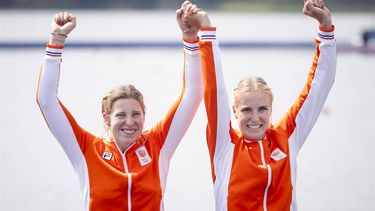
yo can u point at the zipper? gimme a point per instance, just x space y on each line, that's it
269 178
127 172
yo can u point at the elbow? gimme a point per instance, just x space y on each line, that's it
194 96
44 102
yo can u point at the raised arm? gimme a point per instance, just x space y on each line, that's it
175 124
306 109
60 121
215 96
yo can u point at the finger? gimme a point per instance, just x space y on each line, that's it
66 17
72 19
317 3
196 10
193 7
185 4
56 18
179 13
322 3
307 8
188 8
61 18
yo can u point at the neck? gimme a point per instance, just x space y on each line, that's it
251 140
123 145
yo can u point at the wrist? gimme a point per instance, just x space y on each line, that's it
190 34
57 38
58 42
326 27
326 23
189 37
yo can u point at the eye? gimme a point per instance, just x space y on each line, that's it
120 115
136 114
263 109
246 110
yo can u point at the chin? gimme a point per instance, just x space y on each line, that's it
254 137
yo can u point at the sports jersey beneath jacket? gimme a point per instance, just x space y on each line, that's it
110 179
261 175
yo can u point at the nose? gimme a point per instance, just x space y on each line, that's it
255 117
129 120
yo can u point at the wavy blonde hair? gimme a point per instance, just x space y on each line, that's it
251 84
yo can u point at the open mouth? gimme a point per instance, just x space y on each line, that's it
128 131
254 126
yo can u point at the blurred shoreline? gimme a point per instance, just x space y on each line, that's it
132 29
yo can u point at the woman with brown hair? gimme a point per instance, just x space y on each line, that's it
128 170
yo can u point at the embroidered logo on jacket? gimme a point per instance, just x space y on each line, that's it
277 154
143 156
107 155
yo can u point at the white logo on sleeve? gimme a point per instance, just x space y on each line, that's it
107 155
277 154
143 156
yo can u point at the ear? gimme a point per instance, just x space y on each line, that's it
234 111
144 116
107 120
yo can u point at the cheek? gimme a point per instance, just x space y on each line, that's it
266 117
140 121
242 119
114 122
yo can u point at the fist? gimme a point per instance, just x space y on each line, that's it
63 23
317 9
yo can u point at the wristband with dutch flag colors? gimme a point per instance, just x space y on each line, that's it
54 51
191 46
326 34
208 33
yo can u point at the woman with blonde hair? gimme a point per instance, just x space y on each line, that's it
254 168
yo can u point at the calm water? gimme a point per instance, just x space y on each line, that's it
336 166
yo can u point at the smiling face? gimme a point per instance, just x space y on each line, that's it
123 111
253 112
125 121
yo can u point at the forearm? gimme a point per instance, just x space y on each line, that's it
179 117
307 107
61 123
49 76
215 93
211 62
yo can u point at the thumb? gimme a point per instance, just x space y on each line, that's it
70 24
308 7
179 14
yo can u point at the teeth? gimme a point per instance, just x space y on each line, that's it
128 131
254 126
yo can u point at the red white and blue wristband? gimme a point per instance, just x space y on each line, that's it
191 46
208 33
326 34
54 51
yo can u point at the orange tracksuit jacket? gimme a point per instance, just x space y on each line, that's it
261 175
110 179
